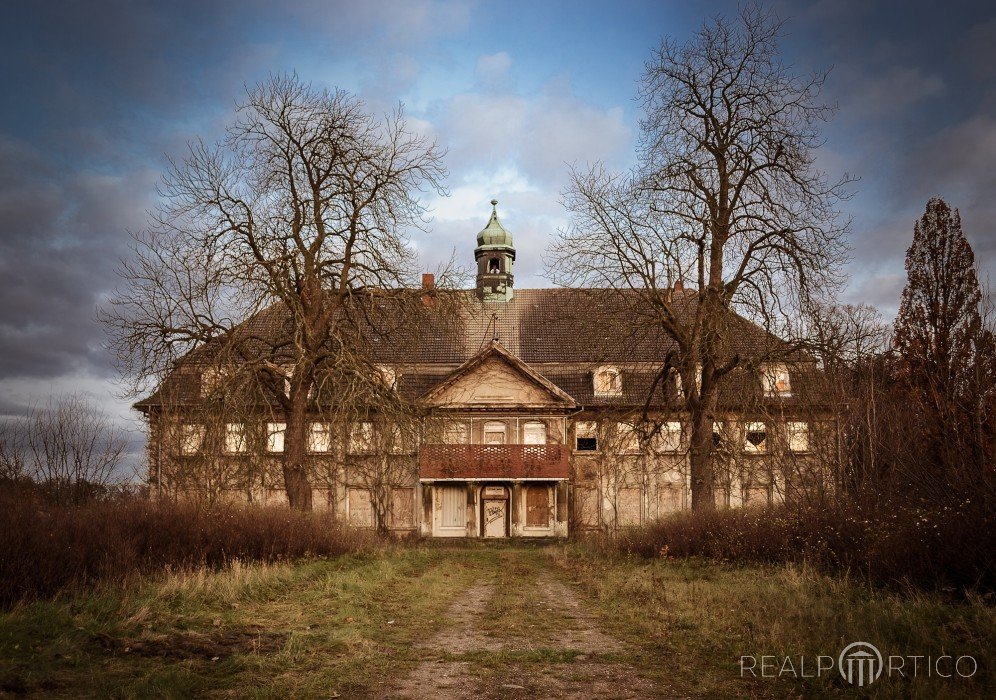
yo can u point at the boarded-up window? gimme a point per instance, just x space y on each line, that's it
275 436
403 507
361 438
586 436
360 508
629 502
776 381
494 433
798 436
457 433
537 506
756 495
755 438
669 499
191 438
235 438
586 505
453 506
534 433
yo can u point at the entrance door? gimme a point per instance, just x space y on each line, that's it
495 516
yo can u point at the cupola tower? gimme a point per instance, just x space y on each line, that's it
495 255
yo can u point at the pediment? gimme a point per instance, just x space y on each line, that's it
495 377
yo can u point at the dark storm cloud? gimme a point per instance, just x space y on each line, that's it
914 89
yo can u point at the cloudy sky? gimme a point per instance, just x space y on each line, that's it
97 94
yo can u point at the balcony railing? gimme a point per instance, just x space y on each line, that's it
481 462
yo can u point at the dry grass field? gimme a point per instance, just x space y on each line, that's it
476 620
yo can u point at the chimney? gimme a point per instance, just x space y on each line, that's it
679 287
428 289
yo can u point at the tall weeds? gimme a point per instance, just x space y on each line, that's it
46 549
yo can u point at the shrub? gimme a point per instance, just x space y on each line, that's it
45 549
926 545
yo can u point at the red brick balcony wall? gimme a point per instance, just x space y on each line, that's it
482 462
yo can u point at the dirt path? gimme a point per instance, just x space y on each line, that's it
518 632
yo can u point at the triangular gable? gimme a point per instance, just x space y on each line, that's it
495 377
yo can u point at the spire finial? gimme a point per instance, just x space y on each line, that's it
494 208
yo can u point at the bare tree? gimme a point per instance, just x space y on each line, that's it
726 195
69 447
301 212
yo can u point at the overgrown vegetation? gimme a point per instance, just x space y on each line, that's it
45 549
903 543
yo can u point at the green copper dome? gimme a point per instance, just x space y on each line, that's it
494 234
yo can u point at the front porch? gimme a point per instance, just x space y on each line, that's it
494 491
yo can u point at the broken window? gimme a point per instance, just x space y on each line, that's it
191 438
534 433
235 438
361 437
586 436
775 378
275 436
456 433
494 433
320 438
608 381
755 437
798 436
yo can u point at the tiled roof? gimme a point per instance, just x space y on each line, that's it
562 333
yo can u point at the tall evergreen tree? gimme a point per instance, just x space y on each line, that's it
945 352
939 320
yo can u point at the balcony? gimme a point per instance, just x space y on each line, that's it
483 462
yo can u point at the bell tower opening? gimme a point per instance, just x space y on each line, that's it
495 255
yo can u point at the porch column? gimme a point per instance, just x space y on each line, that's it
472 509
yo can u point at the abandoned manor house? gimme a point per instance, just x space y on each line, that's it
537 413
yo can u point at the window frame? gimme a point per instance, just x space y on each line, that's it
241 447
594 435
753 427
319 428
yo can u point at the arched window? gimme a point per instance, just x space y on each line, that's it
608 381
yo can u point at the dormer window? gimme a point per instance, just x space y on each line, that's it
608 381
388 375
775 380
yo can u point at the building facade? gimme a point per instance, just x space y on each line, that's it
539 413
